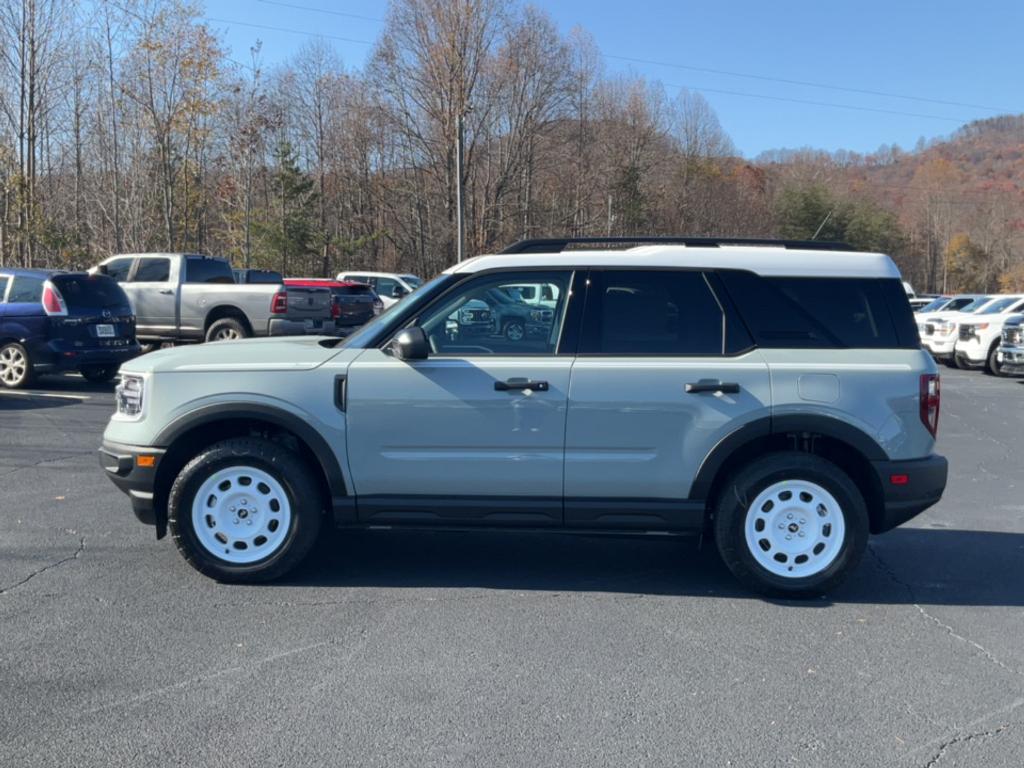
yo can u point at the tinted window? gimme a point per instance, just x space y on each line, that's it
152 271
3 286
352 290
385 286
1001 305
85 292
822 312
199 270
651 313
118 269
26 290
479 319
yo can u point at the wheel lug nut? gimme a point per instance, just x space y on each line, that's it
782 526
802 521
236 521
248 522
801 533
789 517
232 509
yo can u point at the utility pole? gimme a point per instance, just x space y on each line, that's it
460 224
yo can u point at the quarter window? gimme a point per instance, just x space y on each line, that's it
656 312
201 270
487 316
26 290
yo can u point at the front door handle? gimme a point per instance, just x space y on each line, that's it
512 384
710 385
167 292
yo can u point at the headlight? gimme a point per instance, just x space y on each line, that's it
129 395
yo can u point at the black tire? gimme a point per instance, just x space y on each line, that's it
300 485
99 374
15 366
514 330
741 490
992 366
227 329
949 363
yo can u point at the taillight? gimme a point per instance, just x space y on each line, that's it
930 396
53 302
279 304
336 309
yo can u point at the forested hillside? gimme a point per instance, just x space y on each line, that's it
129 127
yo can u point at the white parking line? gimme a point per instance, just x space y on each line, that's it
43 394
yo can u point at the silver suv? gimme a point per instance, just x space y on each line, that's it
769 394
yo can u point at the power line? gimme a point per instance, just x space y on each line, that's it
708 70
320 10
290 31
810 84
819 103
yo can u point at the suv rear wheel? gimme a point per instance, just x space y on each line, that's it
15 366
244 510
791 525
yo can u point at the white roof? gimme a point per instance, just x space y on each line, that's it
763 260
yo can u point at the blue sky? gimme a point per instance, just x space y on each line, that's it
964 52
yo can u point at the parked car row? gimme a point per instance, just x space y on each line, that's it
968 330
53 321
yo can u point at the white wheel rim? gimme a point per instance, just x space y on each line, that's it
241 514
12 365
795 529
514 332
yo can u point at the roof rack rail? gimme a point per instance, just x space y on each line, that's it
559 244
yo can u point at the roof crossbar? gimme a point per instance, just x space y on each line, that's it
559 244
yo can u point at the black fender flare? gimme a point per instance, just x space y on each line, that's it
767 426
215 412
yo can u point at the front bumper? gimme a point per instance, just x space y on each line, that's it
280 326
1011 359
908 489
940 347
137 481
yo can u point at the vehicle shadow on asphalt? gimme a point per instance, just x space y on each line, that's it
905 566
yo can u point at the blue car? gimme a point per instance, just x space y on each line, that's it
62 321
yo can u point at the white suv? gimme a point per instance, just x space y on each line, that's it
978 336
390 286
767 394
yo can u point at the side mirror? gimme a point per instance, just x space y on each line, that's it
397 292
411 344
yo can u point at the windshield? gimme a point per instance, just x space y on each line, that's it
999 305
976 304
934 304
413 281
386 320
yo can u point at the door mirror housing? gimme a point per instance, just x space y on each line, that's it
398 292
411 344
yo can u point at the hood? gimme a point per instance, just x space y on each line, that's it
288 353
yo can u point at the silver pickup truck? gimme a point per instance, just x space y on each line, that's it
186 297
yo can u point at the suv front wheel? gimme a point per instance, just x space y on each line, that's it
791 525
244 510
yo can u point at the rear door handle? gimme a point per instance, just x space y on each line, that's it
167 292
512 384
709 385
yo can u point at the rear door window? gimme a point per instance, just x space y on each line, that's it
4 282
26 289
200 270
118 269
652 312
152 271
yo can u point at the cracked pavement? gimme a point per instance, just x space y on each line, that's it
415 649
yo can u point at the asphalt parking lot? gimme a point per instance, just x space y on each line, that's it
482 649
